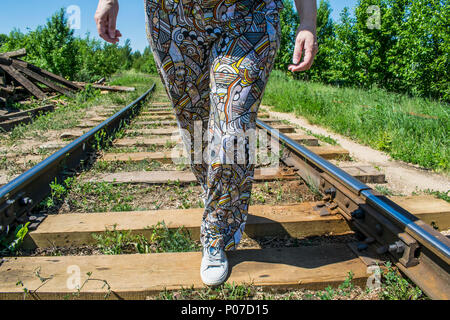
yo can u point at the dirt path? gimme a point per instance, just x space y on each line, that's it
402 178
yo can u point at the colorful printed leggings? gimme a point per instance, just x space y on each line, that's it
214 58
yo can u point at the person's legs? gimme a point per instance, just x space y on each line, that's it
220 54
182 57
241 61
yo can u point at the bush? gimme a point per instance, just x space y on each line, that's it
408 53
145 62
54 47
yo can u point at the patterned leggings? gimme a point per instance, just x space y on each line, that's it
214 58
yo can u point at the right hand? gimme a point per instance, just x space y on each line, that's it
306 45
105 18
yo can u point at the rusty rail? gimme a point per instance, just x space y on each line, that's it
19 196
421 252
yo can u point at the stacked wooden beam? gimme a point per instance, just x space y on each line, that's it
8 120
19 79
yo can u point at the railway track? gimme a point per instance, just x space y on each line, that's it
348 227
8 120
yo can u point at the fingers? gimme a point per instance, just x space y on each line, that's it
106 18
112 18
103 33
309 48
305 64
298 50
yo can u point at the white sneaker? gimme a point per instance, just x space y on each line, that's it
214 267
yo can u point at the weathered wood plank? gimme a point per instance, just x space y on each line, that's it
107 88
159 104
165 157
98 119
140 141
296 220
155 122
10 124
159 113
48 74
41 79
271 120
330 152
71 134
145 142
327 152
366 174
24 118
303 139
283 128
140 275
30 86
87 125
30 112
158 177
156 132
15 54
155 117
427 208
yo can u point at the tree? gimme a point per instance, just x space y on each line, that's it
145 62
321 69
425 42
344 65
54 46
3 39
288 24
126 55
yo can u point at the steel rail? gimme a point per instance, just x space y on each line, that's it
364 190
438 247
20 195
436 244
354 184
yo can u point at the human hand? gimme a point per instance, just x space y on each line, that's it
306 44
105 18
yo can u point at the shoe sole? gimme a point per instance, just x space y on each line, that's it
217 282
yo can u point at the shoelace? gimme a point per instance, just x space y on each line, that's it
214 260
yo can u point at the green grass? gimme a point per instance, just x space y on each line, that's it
395 287
444 195
386 191
413 130
343 290
225 291
11 242
101 197
161 239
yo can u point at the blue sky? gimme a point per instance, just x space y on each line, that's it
25 14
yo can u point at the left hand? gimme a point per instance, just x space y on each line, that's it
305 43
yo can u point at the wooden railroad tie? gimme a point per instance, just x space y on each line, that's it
310 267
158 177
295 220
327 152
138 276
